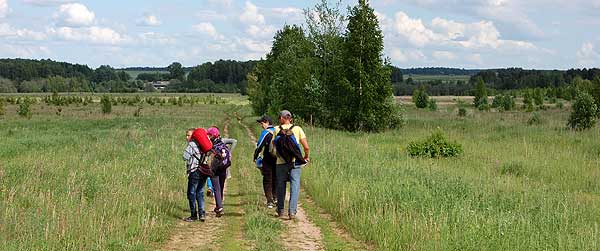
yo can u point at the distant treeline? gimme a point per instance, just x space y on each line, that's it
440 71
498 80
27 75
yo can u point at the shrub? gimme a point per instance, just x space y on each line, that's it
24 110
503 102
560 105
535 119
584 112
432 105
1 107
434 147
512 168
420 97
106 104
462 112
480 95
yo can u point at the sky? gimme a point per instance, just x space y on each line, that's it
531 34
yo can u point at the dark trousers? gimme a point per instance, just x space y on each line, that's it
269 181
218 181
195 193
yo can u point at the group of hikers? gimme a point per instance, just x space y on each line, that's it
280 154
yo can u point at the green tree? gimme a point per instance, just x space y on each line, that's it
420 97
371 105
24 109
584 112
106 104
7 86
480 94
325 27
176 71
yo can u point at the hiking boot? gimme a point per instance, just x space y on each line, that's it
202 217
292 216
190 219
270 205
220 212
280 213
209 193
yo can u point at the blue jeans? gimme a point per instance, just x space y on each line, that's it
195 193
285 171
209 185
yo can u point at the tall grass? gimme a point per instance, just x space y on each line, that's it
89 181
473 202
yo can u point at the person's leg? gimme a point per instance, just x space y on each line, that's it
217 192
228 173
294 190
267 173
222 178
282 174
193 180
210 188
200 196
273 183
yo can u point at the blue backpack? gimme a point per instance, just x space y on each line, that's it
222 155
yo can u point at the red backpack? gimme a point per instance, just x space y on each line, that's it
199 136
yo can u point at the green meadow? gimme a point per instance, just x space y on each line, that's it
79 179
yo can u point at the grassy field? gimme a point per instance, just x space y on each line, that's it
516 187
82 180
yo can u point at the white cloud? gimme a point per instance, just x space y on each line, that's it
478 35
24 51
288 13
20 34
261 30
444 55
407 55
251 15
94 34
75 15
587 56
148 20
208 29
413 30
475 58
255 46
398 55
4 10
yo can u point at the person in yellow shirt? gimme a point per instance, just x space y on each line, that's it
287 141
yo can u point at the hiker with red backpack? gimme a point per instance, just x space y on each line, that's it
286 146
267 162
220 162
197 170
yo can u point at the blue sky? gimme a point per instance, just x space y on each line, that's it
541 34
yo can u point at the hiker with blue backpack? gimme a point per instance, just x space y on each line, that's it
267 162
290 160
220 162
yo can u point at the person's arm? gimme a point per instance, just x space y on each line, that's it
230 141
304 144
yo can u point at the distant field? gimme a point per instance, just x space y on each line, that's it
419 78
134 74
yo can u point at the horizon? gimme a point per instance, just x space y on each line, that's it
468 34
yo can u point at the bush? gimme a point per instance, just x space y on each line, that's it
1 107
434 147
462 112
420 97
560 105
432 105
106 104
584 112
503 102
24 110
481 92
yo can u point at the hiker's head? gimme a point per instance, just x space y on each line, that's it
188 134
285 117
213 132
265 121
